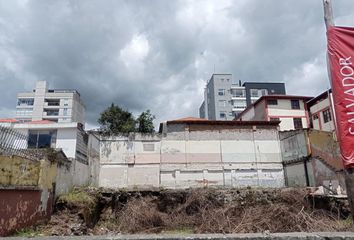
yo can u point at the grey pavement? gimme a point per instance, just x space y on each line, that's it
275 236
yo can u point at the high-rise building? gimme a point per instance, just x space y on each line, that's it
223 99
57 105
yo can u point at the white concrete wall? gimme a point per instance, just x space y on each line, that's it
125 176
229 158
66 140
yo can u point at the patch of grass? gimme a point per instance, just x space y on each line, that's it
27 232
77 198
184 230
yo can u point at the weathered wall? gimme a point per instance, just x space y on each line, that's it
93 152
21 207
80 173
294 144
15 171
26 192
324 145
193 157
323 173
295 175
321 150
64 179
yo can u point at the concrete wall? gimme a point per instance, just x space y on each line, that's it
20 207
93 152
193 156
66 140
26 192
17 172
294 144
325 146
320 151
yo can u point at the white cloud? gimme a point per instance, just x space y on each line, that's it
135 52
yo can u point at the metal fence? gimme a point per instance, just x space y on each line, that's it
13 142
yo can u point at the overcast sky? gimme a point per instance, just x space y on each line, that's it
158 54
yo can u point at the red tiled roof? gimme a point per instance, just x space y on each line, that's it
190 119
8 120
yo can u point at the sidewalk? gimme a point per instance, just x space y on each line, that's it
275 236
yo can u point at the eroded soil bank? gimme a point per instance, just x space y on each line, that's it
90 211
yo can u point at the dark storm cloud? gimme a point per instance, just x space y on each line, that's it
158 54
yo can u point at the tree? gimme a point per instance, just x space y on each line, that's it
115 120
146 122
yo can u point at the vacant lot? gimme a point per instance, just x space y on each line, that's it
97 211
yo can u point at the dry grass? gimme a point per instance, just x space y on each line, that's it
210 211
191 211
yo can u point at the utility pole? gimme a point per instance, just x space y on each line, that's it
349 172
328 13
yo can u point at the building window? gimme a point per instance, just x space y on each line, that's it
24 111
221 92
25 101
65 111
274 119
238 93
315 116
297 123
254 92
41 139
222 115
264 92
272 102
231 114
52 102
66 102
295 104
50 112
327 116
239 103
222 103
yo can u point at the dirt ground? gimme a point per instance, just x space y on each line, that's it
93 211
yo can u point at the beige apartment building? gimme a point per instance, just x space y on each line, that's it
57 105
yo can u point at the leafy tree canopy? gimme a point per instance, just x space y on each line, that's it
146 122
115 120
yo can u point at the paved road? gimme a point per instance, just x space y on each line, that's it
275 236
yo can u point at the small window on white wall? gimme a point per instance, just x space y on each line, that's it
221 92
148 147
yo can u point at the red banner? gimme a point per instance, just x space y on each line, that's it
341 59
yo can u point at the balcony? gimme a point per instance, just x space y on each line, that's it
50 113
52 103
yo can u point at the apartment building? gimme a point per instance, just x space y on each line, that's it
321 112
56 105
223 99
291 111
